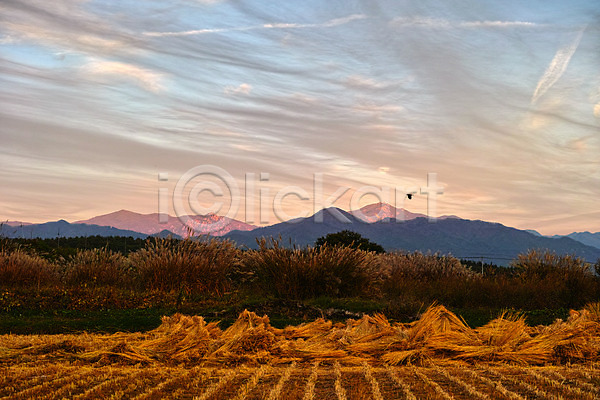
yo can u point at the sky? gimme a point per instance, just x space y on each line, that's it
500 99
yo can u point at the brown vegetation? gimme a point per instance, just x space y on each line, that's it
311 272
18 268
437 356
186 265
437 335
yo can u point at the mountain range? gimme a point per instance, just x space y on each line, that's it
591 239
479 240
149 224
62 228
381 211
394 229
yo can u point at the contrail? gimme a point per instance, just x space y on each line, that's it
328 24
557 67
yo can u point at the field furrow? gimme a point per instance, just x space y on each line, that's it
299 381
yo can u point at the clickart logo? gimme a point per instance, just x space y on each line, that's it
221 194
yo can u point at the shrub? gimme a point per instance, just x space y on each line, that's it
311 272
423 267
411 277
348 238
97 267
193 266
556 280
19 268
540 264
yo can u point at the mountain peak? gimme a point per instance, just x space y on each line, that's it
333 213
150 224
381 211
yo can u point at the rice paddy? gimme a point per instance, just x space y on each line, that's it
437 356
444 380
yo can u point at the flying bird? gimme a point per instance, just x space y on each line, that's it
409 195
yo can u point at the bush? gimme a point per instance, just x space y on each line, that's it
21 269
556 280
349 239
423 267
97 267
190 266
426 278
311 272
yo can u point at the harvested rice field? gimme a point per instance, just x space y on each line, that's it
454 380
435 357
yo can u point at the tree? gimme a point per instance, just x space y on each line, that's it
348 238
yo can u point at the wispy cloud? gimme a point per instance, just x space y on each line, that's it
441 23
446 88
281 25
392 108
358 81
244 88
65 25
147 79
557 67
7 40
421 22
498 24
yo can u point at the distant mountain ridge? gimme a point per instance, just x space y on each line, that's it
394 229
149 224
15 223
588 238
62 228
382 211
491 242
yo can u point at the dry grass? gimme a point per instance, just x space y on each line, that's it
369 376
192 270
186 265
427 267
493 384
309 391
438 389
63 379
19 268
311 272
97 267
563 280
438 334
339 387
276 392
470 389
517 381
404 387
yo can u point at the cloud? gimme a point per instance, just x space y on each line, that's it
340 21
147 79
7 39
358 81
281 25
425 22
65 25
297 91
579 144
557 67
498 24
244 88
366 107
441 23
